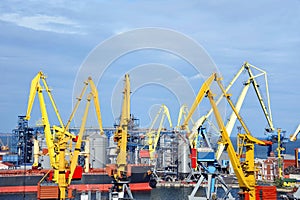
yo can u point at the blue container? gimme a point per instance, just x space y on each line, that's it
10 158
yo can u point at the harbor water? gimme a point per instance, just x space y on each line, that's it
155 194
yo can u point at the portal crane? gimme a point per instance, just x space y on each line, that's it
37 88
266 108
57 141
120 187
230 124
54 159
153 136
75 172
198 135
203 154
245 172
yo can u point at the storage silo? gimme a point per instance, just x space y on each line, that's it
183 157
98 145
111 151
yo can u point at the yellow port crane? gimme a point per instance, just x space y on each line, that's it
251 81
93 94
205 88
36 87
153 136
120 187
57 140
244 171
121 134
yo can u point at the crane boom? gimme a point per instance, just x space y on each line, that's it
202 119
37 88
267 112
245 173
34 88
232 119
198 99
180 114
95 95
96 103
227 96
76 152
163 111
293 137
121 135
227 142
183 115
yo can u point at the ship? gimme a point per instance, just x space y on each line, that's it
96 164
27 180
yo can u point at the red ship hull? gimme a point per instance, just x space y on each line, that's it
19 181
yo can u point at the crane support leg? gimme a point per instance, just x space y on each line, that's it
212 180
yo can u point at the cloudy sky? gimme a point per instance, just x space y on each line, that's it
57 38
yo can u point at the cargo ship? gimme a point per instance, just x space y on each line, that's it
27 180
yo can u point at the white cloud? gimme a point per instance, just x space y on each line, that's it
56 24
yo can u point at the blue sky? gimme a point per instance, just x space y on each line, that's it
57 37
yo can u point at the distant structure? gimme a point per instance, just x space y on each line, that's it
22 143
